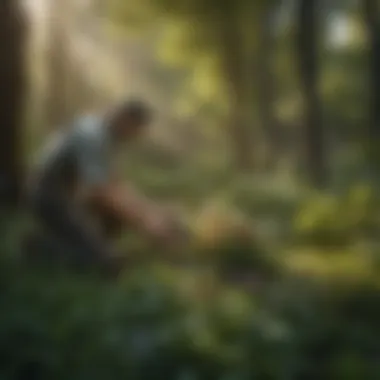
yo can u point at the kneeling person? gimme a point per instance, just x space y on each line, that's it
74 172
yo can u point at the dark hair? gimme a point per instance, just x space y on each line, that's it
136 110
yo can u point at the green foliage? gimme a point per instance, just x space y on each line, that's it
67 327
198 321
266 197
339 220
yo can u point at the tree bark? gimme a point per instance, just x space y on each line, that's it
372 22
12 90
232 57
314 144
265 87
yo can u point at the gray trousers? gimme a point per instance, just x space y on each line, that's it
70 227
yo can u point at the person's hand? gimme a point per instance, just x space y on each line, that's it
157 226
165 228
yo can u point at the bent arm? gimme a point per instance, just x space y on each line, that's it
124 203
120 200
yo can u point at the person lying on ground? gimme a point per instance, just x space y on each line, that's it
74 170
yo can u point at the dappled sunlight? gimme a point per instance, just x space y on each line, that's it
349 267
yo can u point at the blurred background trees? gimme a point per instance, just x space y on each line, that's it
267 76
272 73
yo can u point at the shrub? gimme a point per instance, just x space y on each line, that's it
226 238
57 325
328 220
71 327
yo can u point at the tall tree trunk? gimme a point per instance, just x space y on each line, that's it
57 74
372 21
12 89
265 86
232 56
314 144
